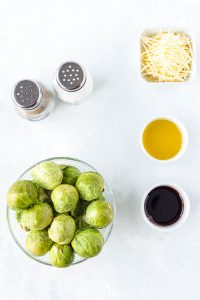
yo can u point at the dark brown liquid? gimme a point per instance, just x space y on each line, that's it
163 206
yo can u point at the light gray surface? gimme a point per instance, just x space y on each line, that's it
137 262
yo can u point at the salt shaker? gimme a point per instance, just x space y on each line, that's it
32 100
72 83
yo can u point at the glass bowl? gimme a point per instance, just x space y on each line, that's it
19 235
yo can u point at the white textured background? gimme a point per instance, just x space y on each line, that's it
137 262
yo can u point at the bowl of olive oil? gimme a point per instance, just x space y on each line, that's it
164 139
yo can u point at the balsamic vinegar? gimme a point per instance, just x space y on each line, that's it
164 205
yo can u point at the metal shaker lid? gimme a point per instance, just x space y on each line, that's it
27 94
71 76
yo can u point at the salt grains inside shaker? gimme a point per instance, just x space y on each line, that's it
72 83
32 100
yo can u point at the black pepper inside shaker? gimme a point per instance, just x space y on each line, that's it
32 100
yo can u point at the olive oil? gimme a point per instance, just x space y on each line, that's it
162 139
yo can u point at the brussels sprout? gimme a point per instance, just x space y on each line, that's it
47 175
21 219
101 197
61 256
64 197
38 243
81 224
62 166
70 175
88 242
62 229
38 217
18 215
79 209
99 214
44 195
22 194
90 185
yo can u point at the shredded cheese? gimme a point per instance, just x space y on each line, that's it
166 57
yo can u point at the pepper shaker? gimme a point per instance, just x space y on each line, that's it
72 83
32 100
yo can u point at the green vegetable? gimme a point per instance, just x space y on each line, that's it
79 209
38 217
61 209
21 220
99 214
22 194
61 256
62 229
90 185
64 197
62 166
38 243
88 242
101 197
44 195
70 175
47 175
81 224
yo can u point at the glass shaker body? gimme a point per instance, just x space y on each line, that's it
32 100
73 84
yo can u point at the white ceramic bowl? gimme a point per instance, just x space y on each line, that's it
187 32
183 131
181 220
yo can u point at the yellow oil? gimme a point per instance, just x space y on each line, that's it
162 139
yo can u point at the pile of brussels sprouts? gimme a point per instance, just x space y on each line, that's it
62 210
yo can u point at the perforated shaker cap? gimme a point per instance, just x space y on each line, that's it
71 76
27 94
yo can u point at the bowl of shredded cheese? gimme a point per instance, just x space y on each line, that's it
167 56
